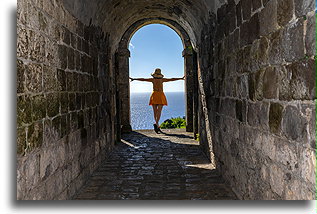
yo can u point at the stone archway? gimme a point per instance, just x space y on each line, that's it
122 71
257 89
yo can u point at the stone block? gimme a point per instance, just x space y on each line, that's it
34 78
31 171
56 125
310 39
73 40
65 35
64 102
246 9
302 83
234 40
49 79
221 13
268 146
270 83
48 163
262 52
43 22
276 51
288 154
64 126
69 81
293 43
85 46
302 7
293 124
71 101
71 59
22 42
285 76
32 16
256 85
265 2
61 80
256 4
79 97
268 18
285 11
21 141
241 110
34 136
227 107
243 87
250 30
308 166
78 58
36 47
277 180
24 110
312 127
38 103
231 89
293 190
53 104
22 12
275 117
79 44
239 14
20 77
258 115
232 20
62 55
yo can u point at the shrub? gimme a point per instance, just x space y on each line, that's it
174 123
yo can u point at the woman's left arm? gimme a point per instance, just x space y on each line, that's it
173 79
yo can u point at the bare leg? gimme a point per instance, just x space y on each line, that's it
158 115
154 111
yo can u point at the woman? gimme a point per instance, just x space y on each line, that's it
157 99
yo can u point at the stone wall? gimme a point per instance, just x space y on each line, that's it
65 89
257 81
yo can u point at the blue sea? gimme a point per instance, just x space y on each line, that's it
142 112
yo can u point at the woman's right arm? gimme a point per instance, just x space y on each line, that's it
142 79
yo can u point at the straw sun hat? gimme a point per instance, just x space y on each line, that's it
157 73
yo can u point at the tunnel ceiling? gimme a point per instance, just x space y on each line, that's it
116 16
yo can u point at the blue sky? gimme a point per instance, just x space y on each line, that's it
156 46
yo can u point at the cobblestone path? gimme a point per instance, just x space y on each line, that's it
149 166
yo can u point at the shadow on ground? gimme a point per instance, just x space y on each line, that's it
148 166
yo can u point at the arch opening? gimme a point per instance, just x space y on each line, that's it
155 46
123 70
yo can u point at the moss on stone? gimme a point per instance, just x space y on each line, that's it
35 135
23 111
20 76
21 141
53 104
38 107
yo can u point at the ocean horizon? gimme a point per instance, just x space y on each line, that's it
142 112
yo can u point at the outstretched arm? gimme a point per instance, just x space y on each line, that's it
142 79
173 79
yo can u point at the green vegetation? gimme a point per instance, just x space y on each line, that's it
174 123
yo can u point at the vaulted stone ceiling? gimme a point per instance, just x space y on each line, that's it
115 16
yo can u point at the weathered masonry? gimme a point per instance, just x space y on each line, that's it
251 89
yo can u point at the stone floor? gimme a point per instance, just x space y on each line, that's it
150 166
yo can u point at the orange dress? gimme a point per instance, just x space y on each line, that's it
158 98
